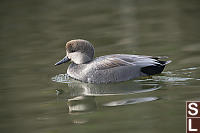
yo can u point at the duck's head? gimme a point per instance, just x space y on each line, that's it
78 51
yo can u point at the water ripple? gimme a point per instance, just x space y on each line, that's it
61 78
130 101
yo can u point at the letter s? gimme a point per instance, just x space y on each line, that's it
193 108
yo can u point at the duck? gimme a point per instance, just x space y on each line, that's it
108 68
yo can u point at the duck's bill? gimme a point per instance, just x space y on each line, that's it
64 60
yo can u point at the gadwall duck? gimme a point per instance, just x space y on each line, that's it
108 68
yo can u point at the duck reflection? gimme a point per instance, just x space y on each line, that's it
84 89
81 104
82 95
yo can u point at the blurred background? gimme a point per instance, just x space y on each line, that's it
34 96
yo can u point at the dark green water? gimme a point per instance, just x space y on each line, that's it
33 97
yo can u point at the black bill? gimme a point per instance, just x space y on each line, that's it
64 60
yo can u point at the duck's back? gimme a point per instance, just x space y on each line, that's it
115 68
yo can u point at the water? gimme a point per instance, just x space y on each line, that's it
37 97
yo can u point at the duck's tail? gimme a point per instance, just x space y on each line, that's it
155 69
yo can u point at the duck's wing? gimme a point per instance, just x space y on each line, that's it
107 63
132 58
122 60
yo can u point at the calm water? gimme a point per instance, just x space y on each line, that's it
37 97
